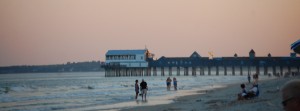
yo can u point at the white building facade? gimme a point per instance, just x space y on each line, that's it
127 58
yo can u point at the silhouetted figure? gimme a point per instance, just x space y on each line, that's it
243 94
175 83
255 78
249 78
144 89
136 89
168 81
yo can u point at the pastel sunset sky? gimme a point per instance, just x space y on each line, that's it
38 32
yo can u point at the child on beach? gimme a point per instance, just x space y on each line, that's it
253 92
243 94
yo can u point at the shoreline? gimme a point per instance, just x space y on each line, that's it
152 101
224 98
192 96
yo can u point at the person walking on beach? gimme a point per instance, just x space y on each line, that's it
144 89
168 81
136 89
175 83
291 95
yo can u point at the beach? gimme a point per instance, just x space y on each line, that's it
225 99
94 92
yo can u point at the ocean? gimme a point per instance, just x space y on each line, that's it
93 91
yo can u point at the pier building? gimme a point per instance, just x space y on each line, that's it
141 63
126 62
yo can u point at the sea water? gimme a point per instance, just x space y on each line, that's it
93 91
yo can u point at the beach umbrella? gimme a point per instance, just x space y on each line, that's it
296 46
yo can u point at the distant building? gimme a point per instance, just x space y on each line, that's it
127 58
141 63
252 54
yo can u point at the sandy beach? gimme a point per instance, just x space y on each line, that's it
225 99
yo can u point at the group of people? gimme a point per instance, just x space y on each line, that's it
143 88
253 92
169 81
290 93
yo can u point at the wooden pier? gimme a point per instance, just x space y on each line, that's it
195 65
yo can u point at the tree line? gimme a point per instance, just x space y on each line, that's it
90 66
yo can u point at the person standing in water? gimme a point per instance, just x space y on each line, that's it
136 89
168 81
175 83
144 89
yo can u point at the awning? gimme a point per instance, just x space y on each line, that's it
296 46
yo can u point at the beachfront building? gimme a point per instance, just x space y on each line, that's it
196 65
126 62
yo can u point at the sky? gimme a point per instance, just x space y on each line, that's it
40 32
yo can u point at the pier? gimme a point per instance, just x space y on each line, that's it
140 63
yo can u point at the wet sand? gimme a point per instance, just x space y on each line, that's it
151 101
224 99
